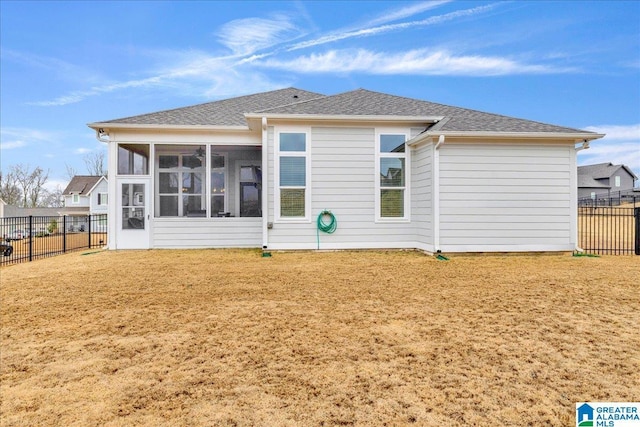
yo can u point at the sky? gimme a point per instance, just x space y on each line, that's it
66 64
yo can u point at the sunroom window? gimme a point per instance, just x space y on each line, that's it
218 185
392 195
180 185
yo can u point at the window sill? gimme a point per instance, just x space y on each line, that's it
392 220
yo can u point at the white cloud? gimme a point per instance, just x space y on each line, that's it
621 145
9 145
82 150
375 30
618 132
405 12
246 36
417 62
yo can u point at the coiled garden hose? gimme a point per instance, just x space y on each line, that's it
326 227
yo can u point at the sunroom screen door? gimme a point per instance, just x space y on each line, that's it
133 229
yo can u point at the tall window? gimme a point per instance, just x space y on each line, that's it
180 185
218 185
250 191
292 193
391 186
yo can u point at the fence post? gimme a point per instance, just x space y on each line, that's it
89 216
31 238
636 212
64 233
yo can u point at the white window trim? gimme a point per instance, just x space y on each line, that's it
238 181
617 181
179 169
307 155
75 198
407 175
101 197
210 184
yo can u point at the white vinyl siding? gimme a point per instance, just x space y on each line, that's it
207 233
342 162
422 195
506 197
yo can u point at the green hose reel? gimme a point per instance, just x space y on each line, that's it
327 223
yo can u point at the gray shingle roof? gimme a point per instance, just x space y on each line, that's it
81 184
601 171
366 102
360 102
226 112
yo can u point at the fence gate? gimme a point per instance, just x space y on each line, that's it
606 230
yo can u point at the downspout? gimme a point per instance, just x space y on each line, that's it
112 152
436 194
265 185
574 177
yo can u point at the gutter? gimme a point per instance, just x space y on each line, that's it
101 134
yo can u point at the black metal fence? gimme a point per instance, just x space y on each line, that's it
606 230
613 198
32 237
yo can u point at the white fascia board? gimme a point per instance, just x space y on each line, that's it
345 118
188 128
576 136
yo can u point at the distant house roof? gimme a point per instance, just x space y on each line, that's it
356 103
601 171
81 184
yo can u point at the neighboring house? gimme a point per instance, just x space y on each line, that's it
604 180
257 170
84 195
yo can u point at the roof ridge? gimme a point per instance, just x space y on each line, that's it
290 104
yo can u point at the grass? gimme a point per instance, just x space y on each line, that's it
606 230
54 243
223 337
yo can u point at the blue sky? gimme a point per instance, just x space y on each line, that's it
66 64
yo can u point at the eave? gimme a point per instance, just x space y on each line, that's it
187 128
575 136
322 118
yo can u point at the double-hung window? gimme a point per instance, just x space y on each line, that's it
392 195
292 175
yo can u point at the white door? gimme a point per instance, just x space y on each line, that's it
133 216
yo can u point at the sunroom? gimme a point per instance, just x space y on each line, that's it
199 195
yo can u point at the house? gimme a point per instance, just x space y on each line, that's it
395 172
84 195
604 180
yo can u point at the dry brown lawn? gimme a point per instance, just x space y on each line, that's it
53 243
609 230
222 337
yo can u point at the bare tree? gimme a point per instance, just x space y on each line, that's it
52 198
30 183
71 171
9 190
95 163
